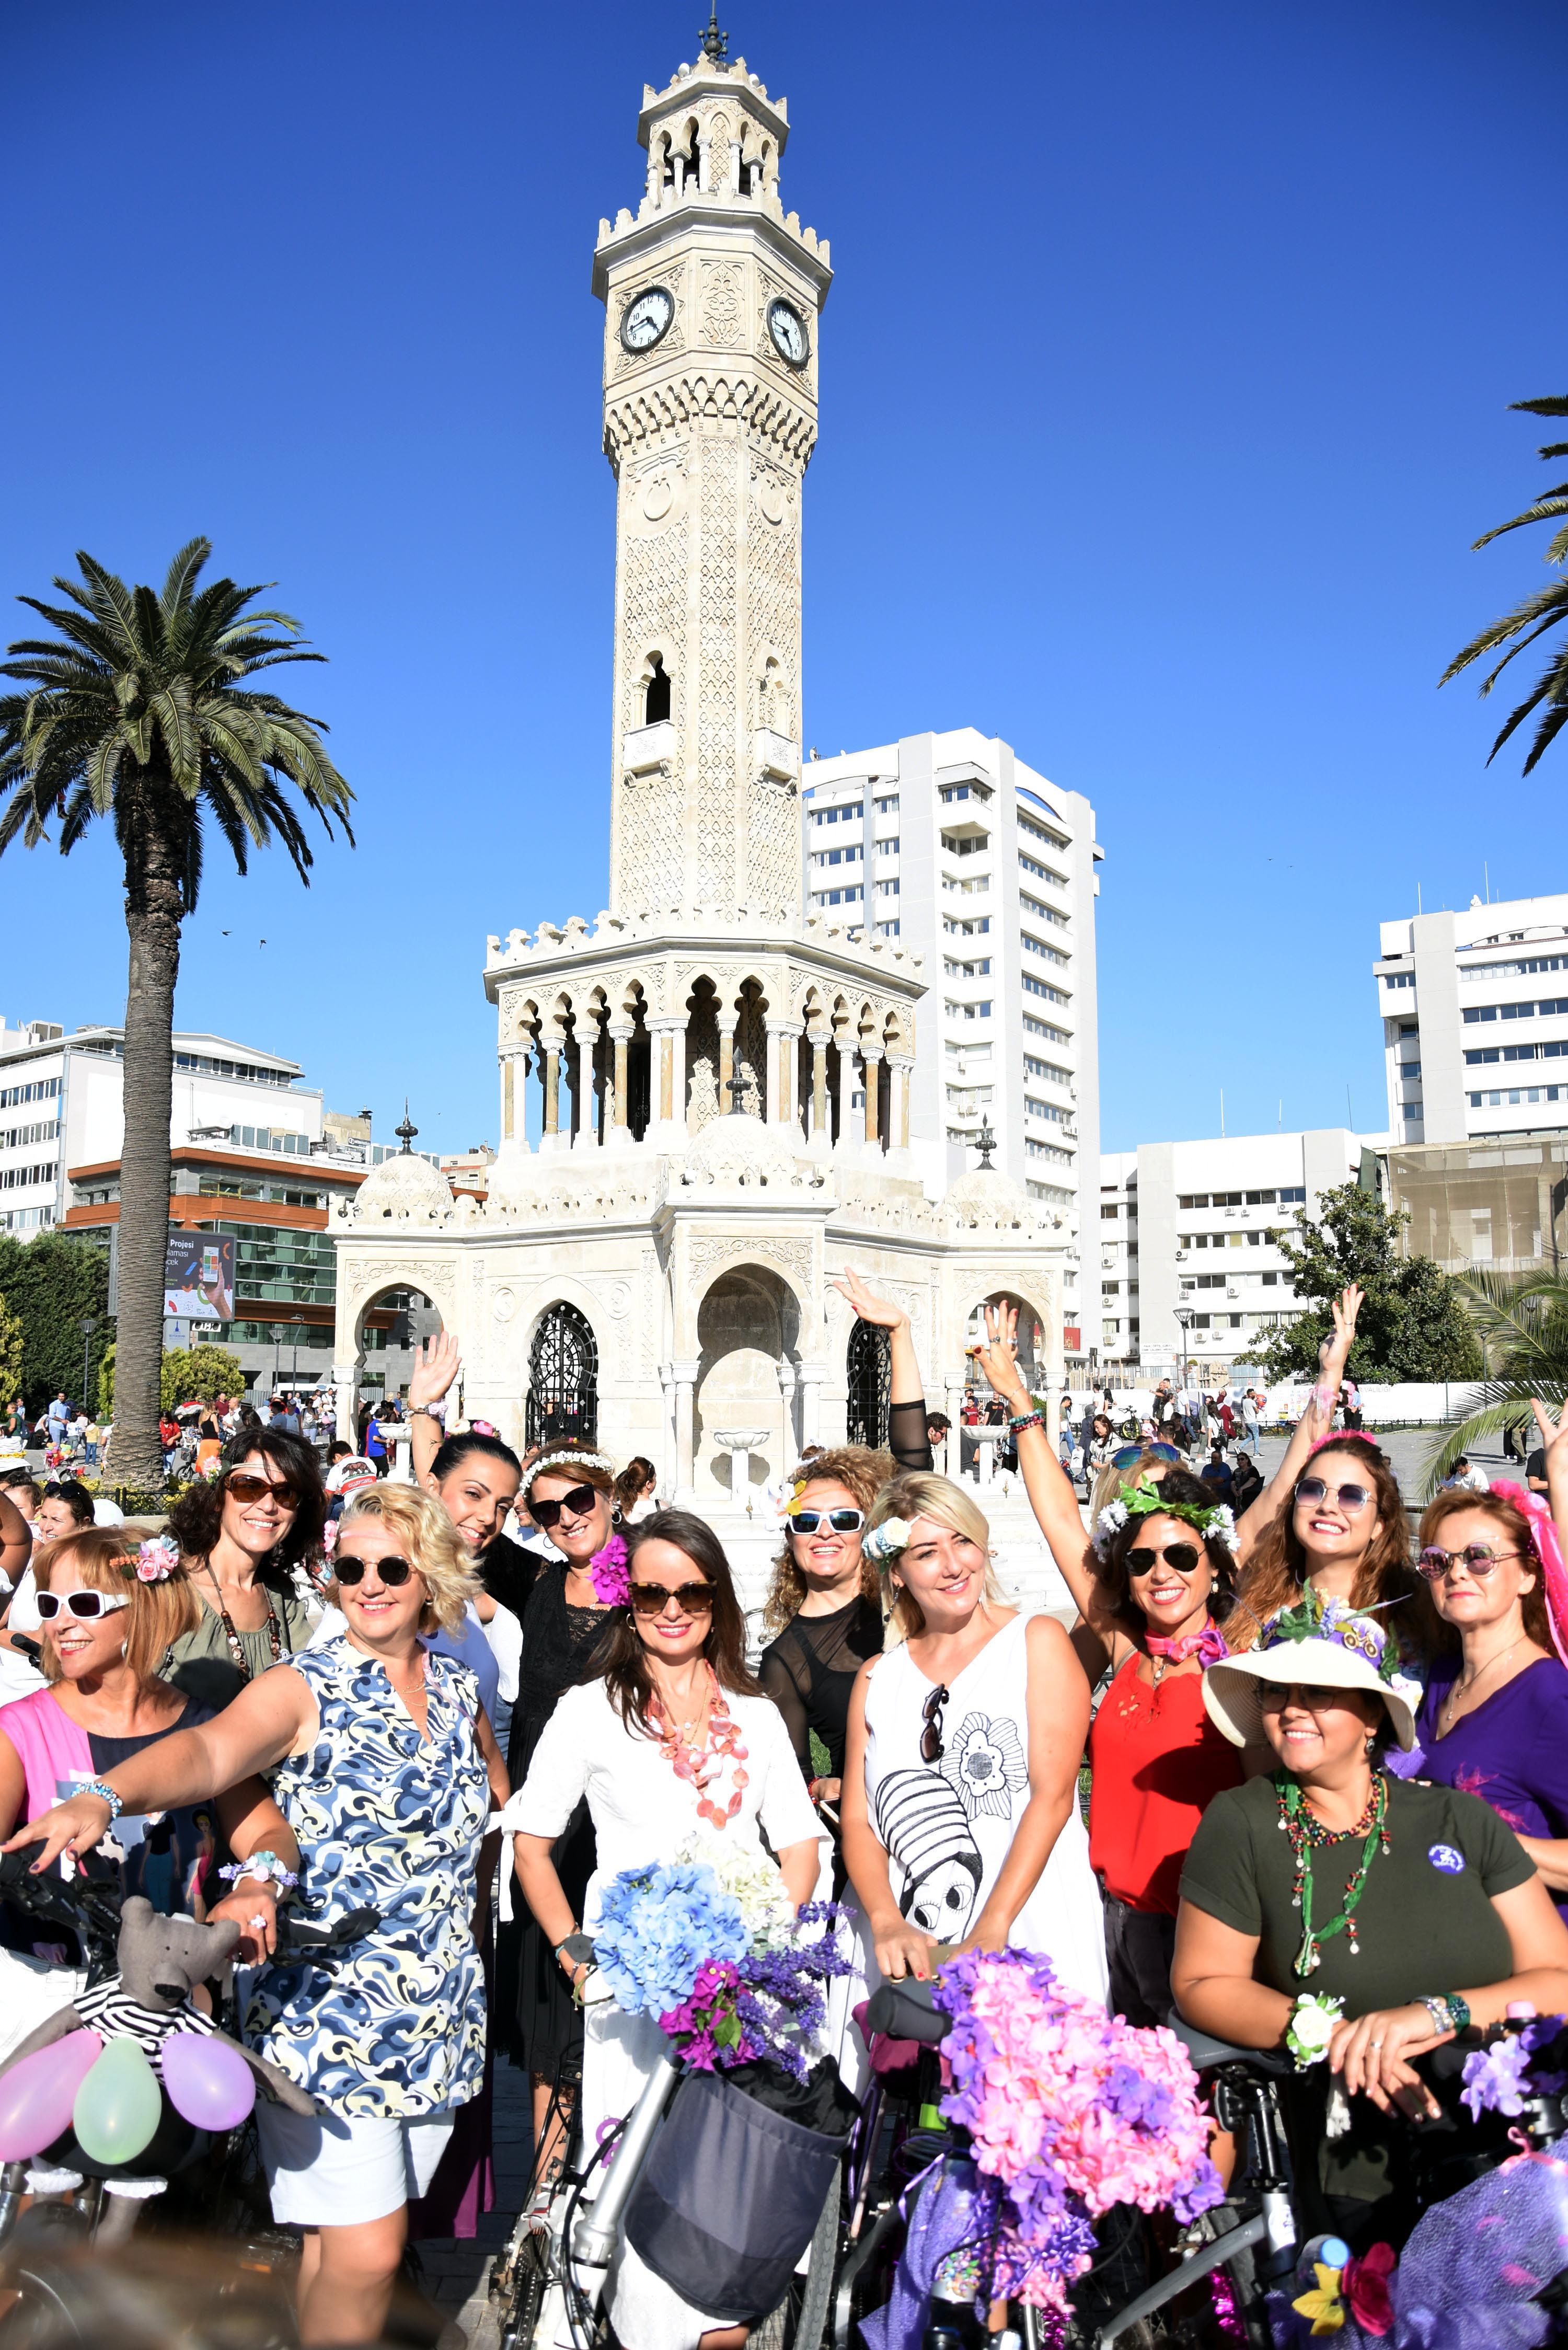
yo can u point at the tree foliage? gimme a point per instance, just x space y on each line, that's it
1412 1324
10 1353
49 1283
199 1373
1538 614
1521 1324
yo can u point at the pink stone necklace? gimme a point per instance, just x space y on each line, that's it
701 1765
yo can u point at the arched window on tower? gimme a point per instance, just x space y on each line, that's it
562 1378
656 702
869 1379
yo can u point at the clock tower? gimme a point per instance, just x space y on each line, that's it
712 294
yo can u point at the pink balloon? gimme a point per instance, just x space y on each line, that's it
208 2082
38 2095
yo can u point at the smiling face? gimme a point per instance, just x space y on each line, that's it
1472 1602
379 1615
1331 1532
677 1631
1317 1730
580 1537
256 1524
1168 1592
477 1496
84 1648
944 1572
825 1557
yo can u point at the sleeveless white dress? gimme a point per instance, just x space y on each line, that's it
947 1827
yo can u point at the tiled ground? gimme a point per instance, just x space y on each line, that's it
457 2275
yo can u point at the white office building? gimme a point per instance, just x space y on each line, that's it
951 844
1193 1227
1475 1021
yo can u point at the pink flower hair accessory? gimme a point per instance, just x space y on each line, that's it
1548 1550
611 1577
329 1538
157 1560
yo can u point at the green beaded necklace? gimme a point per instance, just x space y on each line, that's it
1304 1830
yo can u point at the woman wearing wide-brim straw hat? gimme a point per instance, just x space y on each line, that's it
1338 1912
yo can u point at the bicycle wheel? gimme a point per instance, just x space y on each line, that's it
800 2320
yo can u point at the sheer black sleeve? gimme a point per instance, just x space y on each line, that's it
907 1438
785 1677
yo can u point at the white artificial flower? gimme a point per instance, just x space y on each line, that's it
1313 2025
883 1541
750 1877
1222 1523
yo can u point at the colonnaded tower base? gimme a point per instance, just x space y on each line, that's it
720 1080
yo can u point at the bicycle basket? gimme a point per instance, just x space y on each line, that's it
729 2199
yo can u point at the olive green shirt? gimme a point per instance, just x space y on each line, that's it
200 1664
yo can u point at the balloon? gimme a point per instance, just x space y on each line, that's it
37 2094
118 2106
208 2082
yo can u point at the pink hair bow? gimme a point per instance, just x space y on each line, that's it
1548 1550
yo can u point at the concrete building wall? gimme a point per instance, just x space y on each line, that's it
1474 1008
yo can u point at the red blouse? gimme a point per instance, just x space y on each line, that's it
1157 1760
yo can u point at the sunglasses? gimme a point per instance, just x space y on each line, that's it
579 1501
86 1605
393 1572
691 1599
1312 1489
1274 1696
1183 1556
1127 1453
67 1488
1478 1558
931 1735
842 1522
247 1487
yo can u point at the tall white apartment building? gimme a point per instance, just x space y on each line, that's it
950 843
1475 1021
1193 1227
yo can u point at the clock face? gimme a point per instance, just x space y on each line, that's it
787 329
647 318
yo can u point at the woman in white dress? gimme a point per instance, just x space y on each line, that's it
961 1825
671 1742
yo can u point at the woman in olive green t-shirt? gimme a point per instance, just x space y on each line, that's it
241 1537
1407 1893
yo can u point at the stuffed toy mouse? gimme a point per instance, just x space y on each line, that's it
162 1958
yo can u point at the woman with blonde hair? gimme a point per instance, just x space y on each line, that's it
961 1814
387 1770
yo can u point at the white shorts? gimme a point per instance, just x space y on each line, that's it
325 2170
31 1990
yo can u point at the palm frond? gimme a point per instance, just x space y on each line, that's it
183 574
1556 404
1502 1403
1535 613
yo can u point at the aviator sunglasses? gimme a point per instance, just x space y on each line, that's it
579 1501
1312 1489
842 1521
393 1572
1183 1555
653 1598
86 1605
1477 1558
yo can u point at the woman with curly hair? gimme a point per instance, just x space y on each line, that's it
824 1607
240 1539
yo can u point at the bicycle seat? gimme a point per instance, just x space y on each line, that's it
1207 2052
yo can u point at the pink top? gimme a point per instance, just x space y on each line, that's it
53 1748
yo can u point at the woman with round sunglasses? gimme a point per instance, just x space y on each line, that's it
1494 1719
109 1605
1341 1535
671 1742
387 1770
242 1538
1350 1918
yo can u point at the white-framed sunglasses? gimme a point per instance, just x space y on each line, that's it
86 1605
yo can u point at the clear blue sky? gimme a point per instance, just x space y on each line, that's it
1164 387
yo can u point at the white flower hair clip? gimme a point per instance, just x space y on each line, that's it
157 1560
1107 1525
887 1540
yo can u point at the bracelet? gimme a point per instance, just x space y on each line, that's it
263 1865
1311 2027
426 1412
105 1793
1025 1420
1448 2013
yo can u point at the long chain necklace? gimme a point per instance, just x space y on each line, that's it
236 1647
701 1765
1306 1831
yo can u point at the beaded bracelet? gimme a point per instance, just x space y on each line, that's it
105 1793
263 1865
1448 2011
1025 1420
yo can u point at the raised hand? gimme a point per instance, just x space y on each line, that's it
1333 1352
436 1363
867 1305
1553 1436
998 1359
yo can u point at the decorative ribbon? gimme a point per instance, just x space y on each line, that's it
1548 1550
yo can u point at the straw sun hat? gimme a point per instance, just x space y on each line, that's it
1321 1644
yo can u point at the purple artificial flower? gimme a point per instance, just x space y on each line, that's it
612 1578
1496 2078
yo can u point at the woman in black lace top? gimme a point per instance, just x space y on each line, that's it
824 1603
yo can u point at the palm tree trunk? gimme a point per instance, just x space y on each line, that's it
153 911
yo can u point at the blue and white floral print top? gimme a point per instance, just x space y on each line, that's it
389 1822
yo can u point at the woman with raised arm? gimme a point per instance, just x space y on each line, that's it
386 1769
960 1778
909 1438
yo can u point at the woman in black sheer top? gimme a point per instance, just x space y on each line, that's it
824 1603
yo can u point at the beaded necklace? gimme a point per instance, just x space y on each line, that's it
236 1649
699 1764
1305 1830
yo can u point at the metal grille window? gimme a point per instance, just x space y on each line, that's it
562 1378
869 1370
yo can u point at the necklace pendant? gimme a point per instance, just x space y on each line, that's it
1354 1949
1306 1956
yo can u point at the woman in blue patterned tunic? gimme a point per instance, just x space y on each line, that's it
386 1769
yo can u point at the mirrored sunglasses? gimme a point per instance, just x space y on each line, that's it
1123 1457
653 1598
579 1501
86 1605
842 1521
392 1572
1477 1558
1312 1489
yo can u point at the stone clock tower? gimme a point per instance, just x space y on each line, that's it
712 296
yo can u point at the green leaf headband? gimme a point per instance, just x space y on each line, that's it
1145 1500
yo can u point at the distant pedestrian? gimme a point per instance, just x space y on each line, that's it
1217 1471
1465 1477
1350 1396
1252 1420
59 1417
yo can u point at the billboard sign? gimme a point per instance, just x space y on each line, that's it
199 1278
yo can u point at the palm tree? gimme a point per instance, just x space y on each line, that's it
135 711
1547 608
1522 1322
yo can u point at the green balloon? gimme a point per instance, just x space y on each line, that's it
118 2106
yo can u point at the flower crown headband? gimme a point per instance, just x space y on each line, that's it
1350 1628
1145 1500
565 1460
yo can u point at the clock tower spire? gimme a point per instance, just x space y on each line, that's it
712 294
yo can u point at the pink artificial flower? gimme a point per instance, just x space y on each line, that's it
1364 2285
329 1538
612 1582
157 1560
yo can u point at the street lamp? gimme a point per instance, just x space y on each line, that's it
278 1334
87 1325
295 1320
1186 1316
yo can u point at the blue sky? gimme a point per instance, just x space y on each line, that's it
1164 387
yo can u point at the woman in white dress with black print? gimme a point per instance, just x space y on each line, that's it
961 1814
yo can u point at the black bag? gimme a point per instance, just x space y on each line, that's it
731 2195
